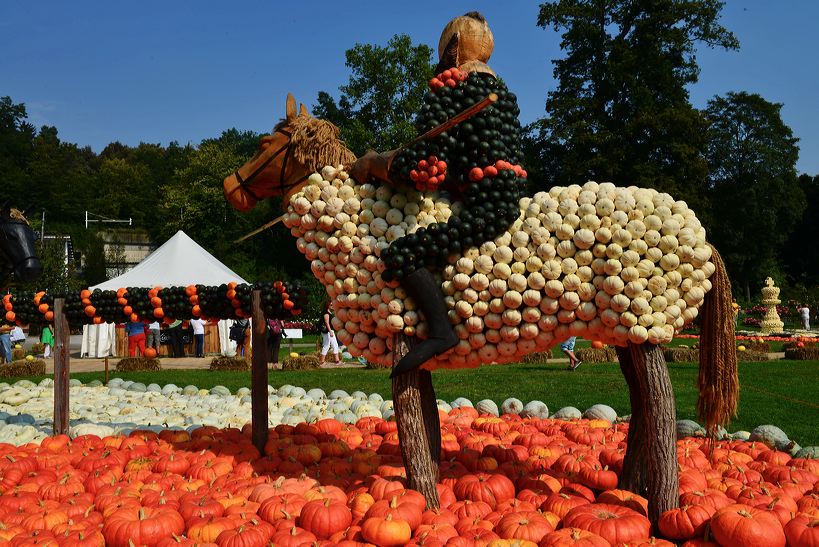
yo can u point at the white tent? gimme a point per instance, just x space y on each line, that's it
179 262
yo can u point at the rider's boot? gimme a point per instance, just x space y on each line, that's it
426 292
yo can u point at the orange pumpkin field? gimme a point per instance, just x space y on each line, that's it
504 481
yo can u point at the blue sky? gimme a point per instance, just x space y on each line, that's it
160 71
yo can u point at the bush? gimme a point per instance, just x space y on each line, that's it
302 362
23 368
130 364
236 364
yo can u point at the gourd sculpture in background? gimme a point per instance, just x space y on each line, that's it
770 298
627 266
17 252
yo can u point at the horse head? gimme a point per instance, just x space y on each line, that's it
17 245
299 145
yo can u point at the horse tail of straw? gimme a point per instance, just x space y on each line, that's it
718 379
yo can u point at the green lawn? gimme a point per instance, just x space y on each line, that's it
782 393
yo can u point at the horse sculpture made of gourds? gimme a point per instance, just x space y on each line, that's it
17 252
627 266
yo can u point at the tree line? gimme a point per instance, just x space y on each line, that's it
621 112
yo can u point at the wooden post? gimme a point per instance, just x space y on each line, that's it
106 370
61 368
657 419
258 374
419 428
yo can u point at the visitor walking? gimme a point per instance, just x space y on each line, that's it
568 349
275 332
175 339
198 326
154 334
5 343
47 340
804 313
136 338
328 337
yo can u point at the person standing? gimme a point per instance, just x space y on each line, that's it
47 340
239 334
17 336
136 337
153 339
804 313
175 339
5 342
275 332
328 336
198 326
568 348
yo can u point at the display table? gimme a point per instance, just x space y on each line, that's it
212 344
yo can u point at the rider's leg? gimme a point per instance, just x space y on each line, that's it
426 292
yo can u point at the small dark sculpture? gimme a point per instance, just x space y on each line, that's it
17 252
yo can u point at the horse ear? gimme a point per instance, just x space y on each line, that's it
291 107
303 110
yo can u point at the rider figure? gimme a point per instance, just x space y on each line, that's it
475 161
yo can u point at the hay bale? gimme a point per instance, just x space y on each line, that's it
17 354
371 365
38 349
752 356
808 353
302 362
234 364
130 364
538 357
681 354
759 347
606 354
23 368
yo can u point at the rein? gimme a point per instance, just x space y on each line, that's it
244 183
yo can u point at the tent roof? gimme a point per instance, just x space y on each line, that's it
179 262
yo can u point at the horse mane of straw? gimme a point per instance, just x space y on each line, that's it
16 214
718 380
316 143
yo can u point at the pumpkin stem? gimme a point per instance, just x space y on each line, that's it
744 513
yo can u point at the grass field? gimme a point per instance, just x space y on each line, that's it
783 393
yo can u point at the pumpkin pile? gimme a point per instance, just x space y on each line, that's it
227 301
606 263
504 480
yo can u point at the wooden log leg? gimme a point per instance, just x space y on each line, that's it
432 421
633 476
415 421
660 416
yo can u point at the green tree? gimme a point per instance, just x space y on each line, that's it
16 143
621 111
755 196
377 106
800 255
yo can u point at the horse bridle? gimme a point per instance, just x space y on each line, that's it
244 183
